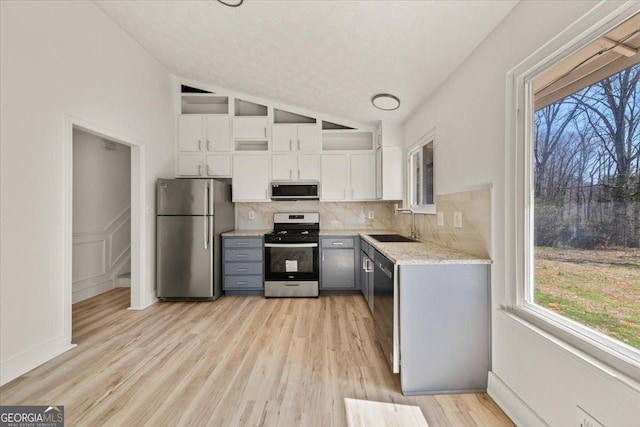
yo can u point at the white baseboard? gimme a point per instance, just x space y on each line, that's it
515 408
92 291
23 363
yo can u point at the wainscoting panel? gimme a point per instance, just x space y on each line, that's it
100 256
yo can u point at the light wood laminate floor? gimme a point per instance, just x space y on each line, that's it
234 362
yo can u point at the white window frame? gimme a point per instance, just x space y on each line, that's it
590 344
428 138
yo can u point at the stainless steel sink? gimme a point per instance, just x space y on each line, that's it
391 238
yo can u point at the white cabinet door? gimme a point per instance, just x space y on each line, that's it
218 133
334 176
308 138
218 165
282 137
190 132
250 127
363 177
391 159
189 165
283 167
250 178
308 167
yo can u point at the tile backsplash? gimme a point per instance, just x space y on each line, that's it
473 238
333 215
475 235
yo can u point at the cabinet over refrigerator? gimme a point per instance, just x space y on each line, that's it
191 215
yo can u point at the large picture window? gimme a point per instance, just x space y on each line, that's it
586 220
574 189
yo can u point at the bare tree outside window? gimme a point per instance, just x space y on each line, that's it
587 206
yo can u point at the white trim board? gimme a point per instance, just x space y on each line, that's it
30 359
140 298
515 408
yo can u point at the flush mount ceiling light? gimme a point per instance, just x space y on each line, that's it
231 3
385 101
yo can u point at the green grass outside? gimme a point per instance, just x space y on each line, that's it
597 288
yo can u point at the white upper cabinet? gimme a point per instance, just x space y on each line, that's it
294 140
389 162
335 175
290 167
363 177
250 127
288 137
218 165
348 177
250 178
283 167
308 167
308 138
189 165
190 132
282 137
197 132
217 133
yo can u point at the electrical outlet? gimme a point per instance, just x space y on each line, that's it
252 215
440 219
371 215
457 219
583 419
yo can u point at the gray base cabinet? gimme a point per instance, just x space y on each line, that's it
243 264
444 322
366 272
338 259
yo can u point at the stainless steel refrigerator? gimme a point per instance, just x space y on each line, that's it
191 215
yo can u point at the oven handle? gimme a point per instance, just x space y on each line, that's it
290 245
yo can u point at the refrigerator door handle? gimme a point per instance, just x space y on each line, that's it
206 218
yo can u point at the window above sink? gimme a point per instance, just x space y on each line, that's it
420 176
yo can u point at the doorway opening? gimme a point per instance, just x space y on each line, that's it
101 226
127 223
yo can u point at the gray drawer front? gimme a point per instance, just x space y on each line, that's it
242 255
243 282
337 242
242 242
236 268
364 246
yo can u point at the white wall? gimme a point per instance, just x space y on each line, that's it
468 112
101 214
60 58
101 182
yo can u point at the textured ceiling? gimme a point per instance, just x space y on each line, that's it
326 56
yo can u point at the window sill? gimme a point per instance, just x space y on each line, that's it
615 365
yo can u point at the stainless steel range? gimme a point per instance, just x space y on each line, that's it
291 255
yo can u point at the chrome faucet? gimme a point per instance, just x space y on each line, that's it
414 230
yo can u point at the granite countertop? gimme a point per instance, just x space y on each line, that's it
412 253
421 253
246 233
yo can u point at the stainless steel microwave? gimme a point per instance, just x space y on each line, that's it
294 191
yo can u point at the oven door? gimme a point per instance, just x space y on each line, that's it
291 262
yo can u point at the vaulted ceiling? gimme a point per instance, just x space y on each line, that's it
326 56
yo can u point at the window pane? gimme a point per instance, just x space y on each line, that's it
587 206
421 175
427 167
